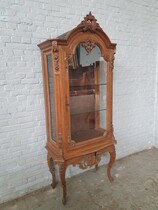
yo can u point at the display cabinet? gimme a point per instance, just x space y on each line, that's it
77 78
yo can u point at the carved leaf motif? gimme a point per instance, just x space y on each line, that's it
88 45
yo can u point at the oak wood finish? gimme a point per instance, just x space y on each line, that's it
51 166
63 150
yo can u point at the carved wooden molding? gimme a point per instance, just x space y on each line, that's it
98 156
107 58
55 56
87 161
110 59
59 141
88 45
68 60
72 143
89 23
112 63
90 160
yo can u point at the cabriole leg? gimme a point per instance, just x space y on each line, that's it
62 171
112 160
96 167
52 170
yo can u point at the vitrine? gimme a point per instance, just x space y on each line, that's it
77 78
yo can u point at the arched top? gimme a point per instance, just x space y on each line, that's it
88 25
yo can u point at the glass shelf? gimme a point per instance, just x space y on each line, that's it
82 92
82 135
86 112
77 90
87 85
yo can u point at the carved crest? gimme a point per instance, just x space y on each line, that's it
89 23
88 45
56 55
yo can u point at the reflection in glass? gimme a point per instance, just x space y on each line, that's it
51 96
87 83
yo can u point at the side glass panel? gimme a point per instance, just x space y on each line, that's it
51 96
87 83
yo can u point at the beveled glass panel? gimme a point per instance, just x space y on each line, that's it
51 96
87 87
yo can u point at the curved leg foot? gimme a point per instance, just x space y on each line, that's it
52 170
96 167
62 170
64 201
112 160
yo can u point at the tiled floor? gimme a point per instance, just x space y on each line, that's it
135 187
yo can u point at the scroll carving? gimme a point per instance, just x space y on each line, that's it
87 161
90 160
110 59
89 24
72 143
88 45
55 55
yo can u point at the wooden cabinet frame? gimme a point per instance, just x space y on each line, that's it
63 150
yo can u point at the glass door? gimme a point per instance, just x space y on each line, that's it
87 88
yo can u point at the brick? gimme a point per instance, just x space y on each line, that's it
15 39
26 40
2 76
5 39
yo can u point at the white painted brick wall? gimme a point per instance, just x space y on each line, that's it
25 23
156 105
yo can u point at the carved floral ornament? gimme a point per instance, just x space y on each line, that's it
90 160
88 45
89 23
56 55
